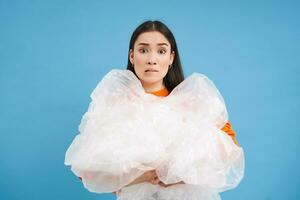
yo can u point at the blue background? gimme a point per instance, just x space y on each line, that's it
53 53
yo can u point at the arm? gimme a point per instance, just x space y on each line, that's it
167 185
148 176
136 181
227 129
112 192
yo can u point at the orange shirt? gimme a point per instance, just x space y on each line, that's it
227 128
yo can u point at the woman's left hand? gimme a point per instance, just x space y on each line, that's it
168 185
156 181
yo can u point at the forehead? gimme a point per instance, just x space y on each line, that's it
152 38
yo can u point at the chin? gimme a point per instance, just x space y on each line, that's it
151 80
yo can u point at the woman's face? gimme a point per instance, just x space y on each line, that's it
151 58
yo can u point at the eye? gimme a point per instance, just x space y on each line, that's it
142 50
162 51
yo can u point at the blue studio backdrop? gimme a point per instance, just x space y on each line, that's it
53 53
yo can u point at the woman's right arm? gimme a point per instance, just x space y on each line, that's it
146 177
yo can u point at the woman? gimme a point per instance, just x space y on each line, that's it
153 47
154 68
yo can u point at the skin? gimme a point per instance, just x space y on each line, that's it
151 50
150 176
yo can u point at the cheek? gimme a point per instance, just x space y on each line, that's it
164 71
165 65
165 61
139 59
138 64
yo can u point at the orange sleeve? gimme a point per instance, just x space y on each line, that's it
228 129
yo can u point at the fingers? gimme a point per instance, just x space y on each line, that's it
155 181
150 175
162 184
153 178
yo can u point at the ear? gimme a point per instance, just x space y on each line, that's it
172 57
131 56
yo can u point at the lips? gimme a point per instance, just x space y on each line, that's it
151 70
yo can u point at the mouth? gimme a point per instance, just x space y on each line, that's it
151 70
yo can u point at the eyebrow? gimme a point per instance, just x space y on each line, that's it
159 44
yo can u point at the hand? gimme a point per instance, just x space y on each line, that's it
148 176
155 180
168 185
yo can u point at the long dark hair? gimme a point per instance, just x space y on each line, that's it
175 73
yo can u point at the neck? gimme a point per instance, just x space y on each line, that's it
152 87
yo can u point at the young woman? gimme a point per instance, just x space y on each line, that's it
150 133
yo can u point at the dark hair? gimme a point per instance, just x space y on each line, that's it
175 73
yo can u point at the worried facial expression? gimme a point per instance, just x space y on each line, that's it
151 58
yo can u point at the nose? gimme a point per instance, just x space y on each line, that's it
152 60
151 63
